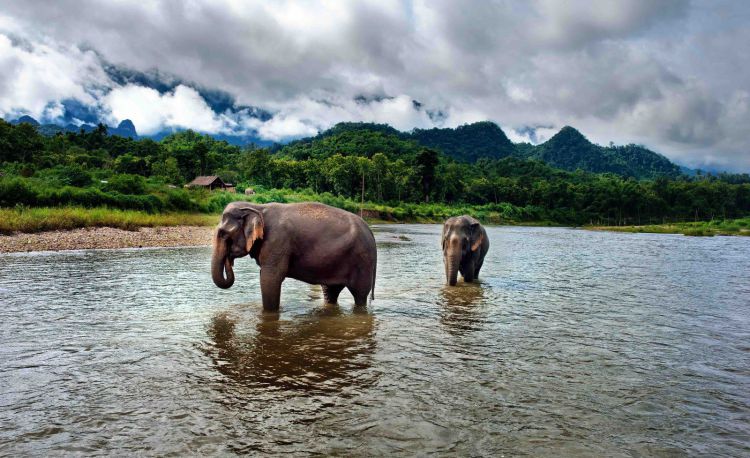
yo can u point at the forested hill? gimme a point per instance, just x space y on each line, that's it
468 142
351 139
568 149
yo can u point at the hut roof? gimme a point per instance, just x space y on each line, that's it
205 180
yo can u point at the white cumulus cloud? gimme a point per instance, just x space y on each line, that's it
671 74
34 77
151 111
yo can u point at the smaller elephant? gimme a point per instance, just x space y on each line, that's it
465 244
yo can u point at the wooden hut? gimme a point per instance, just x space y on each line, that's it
210 182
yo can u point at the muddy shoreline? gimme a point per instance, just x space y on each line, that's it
107 238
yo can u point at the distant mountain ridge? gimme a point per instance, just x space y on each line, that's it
567 150
126 128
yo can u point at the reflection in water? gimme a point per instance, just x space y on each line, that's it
324 350
460 307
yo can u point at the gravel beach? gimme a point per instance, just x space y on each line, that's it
107 237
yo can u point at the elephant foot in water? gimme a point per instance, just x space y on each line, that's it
331 293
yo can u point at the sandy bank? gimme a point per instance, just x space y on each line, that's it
106 237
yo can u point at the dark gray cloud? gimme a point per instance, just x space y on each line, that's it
671 74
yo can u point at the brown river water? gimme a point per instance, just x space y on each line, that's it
574 343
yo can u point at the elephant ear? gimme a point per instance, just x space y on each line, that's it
254 226
476 234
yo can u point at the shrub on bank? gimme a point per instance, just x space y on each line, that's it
127 184
14 191
19 191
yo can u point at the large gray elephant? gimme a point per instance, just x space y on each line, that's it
310 242
465 244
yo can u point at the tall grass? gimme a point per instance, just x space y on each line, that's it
22 219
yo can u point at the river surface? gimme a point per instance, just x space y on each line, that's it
574 343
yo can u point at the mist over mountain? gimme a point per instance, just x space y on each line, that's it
126 128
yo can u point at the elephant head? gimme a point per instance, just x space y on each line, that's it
240 228
462 235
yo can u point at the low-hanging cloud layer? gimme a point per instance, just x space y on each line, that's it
673 75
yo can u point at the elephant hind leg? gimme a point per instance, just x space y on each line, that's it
331 293
360 295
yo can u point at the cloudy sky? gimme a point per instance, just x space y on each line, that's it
671 74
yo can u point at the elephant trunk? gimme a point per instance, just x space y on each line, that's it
219 263
452 261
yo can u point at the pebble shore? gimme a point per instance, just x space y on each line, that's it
107 237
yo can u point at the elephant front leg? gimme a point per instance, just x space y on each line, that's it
331 293
468 272
270 288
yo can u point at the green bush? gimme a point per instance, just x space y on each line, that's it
16 191
178 199
70 175
127 184
698 232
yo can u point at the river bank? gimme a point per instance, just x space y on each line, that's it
81 229
75 228
698 229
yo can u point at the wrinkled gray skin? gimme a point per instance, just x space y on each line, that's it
465 244
311 242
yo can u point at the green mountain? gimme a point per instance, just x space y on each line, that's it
570 150
351 139
567 150
469 142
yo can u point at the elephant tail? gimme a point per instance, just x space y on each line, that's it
372 291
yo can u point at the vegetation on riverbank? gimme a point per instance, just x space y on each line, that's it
64 218
34 219
140 182
700 228
31 220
